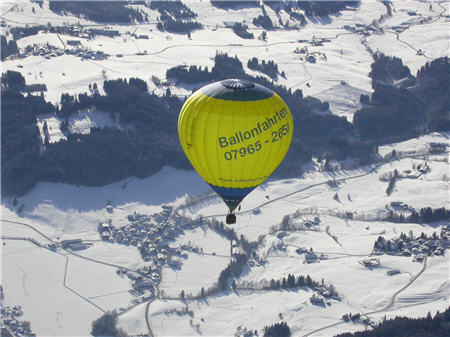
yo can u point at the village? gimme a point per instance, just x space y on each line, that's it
69 46
151 234
417 247
11 324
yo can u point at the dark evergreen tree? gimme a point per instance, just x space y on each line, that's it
100 11
8 48
430 326
106 326
277 330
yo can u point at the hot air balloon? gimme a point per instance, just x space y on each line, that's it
235 133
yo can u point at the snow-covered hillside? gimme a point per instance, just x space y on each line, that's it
340 55
153 250
62 212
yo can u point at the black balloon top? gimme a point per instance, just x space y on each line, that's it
237 90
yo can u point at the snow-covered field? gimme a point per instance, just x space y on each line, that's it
362 289
62 293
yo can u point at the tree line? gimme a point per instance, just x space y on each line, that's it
241 30
277 330
176 9
104 155
175 17
270 68
234 4
424 215
403 106
99 11
178 26
149 139
428 326
8 48
106 325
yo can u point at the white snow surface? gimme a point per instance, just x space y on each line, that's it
65 212
61 293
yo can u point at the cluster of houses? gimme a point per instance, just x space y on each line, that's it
151 234
357 318
72 46
143 280
310 255
399 206
363 29
418 247
11 325
87 53
311 57
436 147
48 51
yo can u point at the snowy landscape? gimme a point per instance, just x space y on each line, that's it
328 251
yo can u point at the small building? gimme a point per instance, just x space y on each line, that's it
311 257
140 285
393 272
52 246
435 147
66 243
134 276
317 300
74 43
301 250
229 24
78 246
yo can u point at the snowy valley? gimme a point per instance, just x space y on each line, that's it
335 247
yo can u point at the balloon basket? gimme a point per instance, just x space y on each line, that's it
231 219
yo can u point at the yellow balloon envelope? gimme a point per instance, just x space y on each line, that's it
235 133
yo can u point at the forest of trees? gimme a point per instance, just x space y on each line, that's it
241 30
432 87
175 17
277 330
234 4
324 8
150 139
233 269
8 48
424 215
176 9
99 11
291 281
402 111
177 26
263 21
20 135
388 71
105 326
429 326
270 68
103 156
